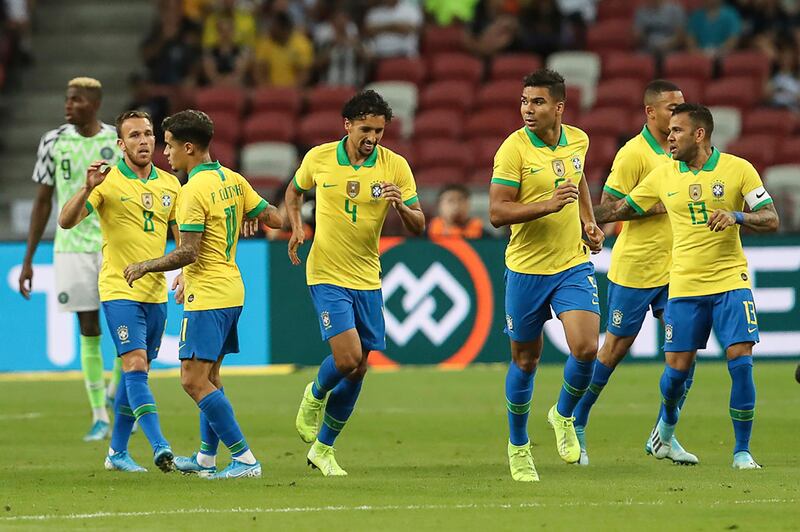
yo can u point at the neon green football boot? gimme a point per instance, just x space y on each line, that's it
321 457
569 449
520 460
309 416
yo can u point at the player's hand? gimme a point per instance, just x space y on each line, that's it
26 280
134 272
720 220
249 227
392 194
594 237
564 194
177 287
95 174
297 239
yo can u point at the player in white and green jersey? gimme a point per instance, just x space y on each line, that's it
62 159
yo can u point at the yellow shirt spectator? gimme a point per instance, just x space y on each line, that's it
244 28
284 56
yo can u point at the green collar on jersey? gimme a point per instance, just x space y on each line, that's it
654 145
711 163
127 172
214 165
344 160
539 143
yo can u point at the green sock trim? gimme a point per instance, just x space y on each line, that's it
518 409
92 368
595 389
742 415
237 447
577 392
205 448
145 409
668 403
126 411
333 423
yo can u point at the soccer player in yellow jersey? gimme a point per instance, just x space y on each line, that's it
704 192
538 188
641 258
135 202
210 206
356 180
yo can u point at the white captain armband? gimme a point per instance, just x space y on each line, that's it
757 198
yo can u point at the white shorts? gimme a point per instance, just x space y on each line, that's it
76 281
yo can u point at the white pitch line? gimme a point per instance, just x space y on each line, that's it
27 415
363 508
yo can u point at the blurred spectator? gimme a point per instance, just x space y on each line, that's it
714 28
244 25
143 99
493 29
18 26
195 11
226 63
784 87
284 55
340 57
767 23
659 26
172 51
393 27
453 218
445 12
578 14
544 29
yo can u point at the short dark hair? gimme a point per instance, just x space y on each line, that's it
190 126
698 114
365 103
552 80
125 115
455 187
656 87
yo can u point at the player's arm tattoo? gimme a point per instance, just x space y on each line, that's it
612 209
183 255
271 217
764 220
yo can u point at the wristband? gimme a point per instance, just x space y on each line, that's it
739 217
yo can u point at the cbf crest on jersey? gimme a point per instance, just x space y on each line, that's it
558 168
325 318
668 332
717 189
695 191
122 333
353 188
375 190
147 200
616 317
576 163
166 200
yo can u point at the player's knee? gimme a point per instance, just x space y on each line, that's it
347 363
134 361
358 373
191 385
527 362
585 349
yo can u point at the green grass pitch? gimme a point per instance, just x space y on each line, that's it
425 449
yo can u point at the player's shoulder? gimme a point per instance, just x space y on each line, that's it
516 140
387 156
574 134
167 179
54 134
730 162
107 130
322 152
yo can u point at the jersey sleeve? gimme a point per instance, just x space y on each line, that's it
95 199
507 165
646 194
254 204
192 211
624 171
304 178
44 170
405 181
753 191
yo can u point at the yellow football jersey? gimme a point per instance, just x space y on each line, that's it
703 262
213 202
642 254
350 212
552 243
135 216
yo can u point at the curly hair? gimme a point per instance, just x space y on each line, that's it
366 103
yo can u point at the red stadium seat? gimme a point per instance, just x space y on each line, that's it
450 95
691 88
492 123
453 66
610 121
627 65
480 175
225 99
610 35
329 98
602 149
401 69
743 93
276 99
746 64
769 121
499 94
438 176
227 154
759 150
318 128
227 126
788 151
573 107
438 39
616 9
621 92
266 183
438 124
514 66
439 153
690 65
160 160
394 129
401 147
269 127
483 150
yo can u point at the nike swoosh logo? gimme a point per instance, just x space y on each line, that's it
328 185
125 198
536 170
751 331
595 302
180 346
759 195
670 194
